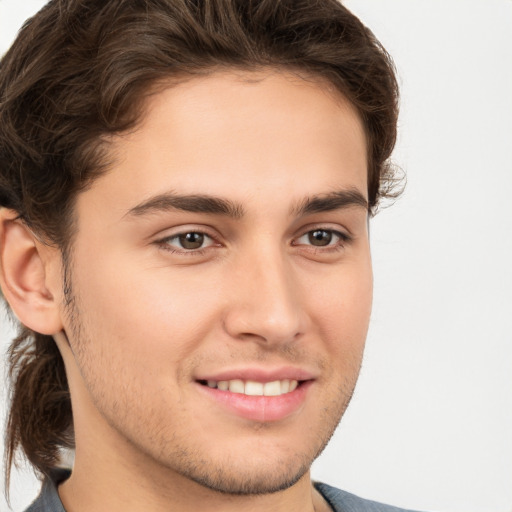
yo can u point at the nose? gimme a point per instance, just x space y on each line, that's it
265 303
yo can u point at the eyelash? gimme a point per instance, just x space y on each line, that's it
164 243
343 240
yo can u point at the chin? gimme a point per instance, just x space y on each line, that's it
251 481
259 469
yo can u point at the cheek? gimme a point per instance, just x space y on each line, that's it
341 316
148 316
342 305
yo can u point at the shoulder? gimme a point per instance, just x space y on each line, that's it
48 499
342 501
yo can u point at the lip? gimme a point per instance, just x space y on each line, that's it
259 374
258 408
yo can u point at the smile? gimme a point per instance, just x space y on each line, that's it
254 388
258 400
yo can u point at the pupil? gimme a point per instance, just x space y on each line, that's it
320 237
191 240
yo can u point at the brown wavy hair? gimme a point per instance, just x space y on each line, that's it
79 71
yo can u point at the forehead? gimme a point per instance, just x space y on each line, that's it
238 134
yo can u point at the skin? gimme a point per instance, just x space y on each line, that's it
147 318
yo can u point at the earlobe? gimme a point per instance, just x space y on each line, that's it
24 276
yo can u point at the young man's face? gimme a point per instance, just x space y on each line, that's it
227 247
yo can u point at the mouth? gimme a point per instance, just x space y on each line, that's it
258 400
254 388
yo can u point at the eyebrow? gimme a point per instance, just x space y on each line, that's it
199 203
196 203
336 200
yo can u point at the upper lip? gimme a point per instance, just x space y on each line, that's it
258 374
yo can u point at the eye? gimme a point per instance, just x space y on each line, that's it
322 238
189 241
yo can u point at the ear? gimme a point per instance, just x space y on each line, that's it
28 271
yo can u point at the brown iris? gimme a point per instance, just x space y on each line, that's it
191 240
320 237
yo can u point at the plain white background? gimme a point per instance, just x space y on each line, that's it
430 426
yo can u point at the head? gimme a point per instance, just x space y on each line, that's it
168 173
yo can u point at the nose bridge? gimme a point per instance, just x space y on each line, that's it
266 304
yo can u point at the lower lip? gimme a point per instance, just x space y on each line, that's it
260 408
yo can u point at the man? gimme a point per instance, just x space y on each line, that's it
185 192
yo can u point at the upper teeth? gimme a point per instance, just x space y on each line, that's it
253 388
